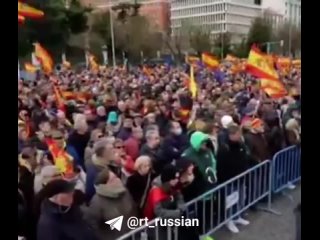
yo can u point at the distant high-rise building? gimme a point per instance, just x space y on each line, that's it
215 16
156 11
289 9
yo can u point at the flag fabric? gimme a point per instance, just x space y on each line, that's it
192 85
44 58
231 58
66 64
260 66
26 11
21 18
62 160
147 71
209 60
192 59
275 89
30 68
93 65
59 98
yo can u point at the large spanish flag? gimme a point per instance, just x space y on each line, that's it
259 65
44 58
26 11
209 60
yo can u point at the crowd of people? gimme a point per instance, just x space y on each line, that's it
93 146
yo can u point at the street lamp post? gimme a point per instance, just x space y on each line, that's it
290 28
112 37
105 54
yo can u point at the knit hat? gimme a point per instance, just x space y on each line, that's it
112 117
226 120
169 172
58 186
182 164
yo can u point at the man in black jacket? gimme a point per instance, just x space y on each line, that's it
232 160
176 142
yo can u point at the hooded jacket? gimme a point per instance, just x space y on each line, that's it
110 201
204 161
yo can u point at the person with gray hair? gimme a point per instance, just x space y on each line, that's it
152 148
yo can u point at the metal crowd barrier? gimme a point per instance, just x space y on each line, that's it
286 168
217 206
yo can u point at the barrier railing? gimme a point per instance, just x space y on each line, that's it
216 207
230 199
286 168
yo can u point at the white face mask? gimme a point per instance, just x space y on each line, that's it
178 131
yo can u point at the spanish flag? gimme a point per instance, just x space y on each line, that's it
192 85
259 65
147 71
59 98
30 68
209 60
274 88
26 11
231 58
44 58
92 63
62 160
21 18
66 64
192 59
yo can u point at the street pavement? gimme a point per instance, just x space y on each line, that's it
266 226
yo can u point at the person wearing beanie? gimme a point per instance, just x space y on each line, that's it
59 217
226 120
163 200
232 160
201 153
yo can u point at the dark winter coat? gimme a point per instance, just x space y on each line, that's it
232 160
139 186
54 224
79 142
173 146
258 147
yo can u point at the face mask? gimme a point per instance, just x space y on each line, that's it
178 131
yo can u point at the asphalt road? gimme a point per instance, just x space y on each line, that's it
266 226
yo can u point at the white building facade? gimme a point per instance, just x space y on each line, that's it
215 16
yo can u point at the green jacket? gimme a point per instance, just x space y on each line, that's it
204 160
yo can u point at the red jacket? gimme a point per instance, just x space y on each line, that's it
155 196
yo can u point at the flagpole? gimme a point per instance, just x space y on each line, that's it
112 37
